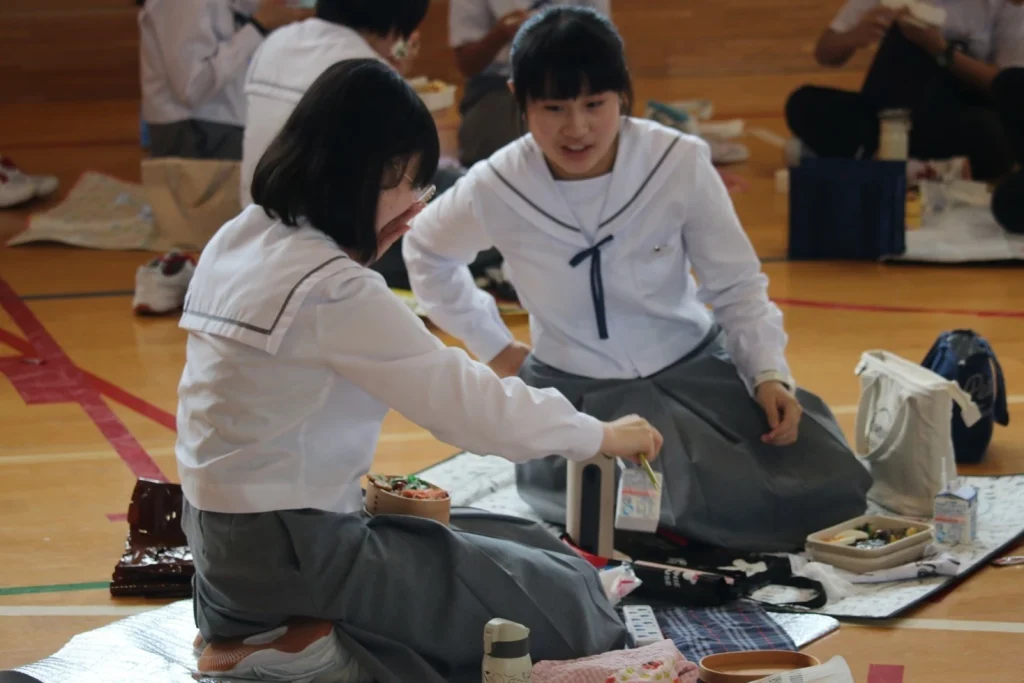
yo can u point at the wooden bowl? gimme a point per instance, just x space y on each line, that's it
744 667
381 502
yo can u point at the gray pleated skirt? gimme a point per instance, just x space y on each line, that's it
721 484
409 596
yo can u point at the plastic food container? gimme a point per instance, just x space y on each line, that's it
862 560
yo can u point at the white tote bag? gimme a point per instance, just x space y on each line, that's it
904 431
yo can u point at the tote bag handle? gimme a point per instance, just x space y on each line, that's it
867 401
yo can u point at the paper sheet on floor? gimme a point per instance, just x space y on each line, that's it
962 234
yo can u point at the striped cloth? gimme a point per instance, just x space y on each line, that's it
702 631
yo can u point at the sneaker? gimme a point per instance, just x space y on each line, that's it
198 645
724 152
161 284
14 190
42 185
302 651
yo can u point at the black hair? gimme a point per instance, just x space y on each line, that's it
565 51
356 131
380 17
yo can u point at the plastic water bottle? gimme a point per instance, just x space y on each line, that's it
894 144
506 652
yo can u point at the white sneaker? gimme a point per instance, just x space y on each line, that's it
724 152
42 185
161 284
14 190
302 651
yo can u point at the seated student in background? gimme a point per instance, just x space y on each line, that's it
289 61
944 76
481 31
296 351
1008 198
294 57
600 217
193 57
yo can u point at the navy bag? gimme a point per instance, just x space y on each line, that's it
966 358
847 209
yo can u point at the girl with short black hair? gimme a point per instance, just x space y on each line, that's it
296 352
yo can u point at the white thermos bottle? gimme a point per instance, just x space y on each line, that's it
507 652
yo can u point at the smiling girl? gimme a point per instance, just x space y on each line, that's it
601 217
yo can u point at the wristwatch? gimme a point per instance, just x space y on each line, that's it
945 58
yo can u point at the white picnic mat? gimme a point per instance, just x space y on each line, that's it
488 483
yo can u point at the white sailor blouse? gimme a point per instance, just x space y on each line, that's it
612 299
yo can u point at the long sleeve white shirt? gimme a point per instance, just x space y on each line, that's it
193 57
294 355
664 212
992 29
282 70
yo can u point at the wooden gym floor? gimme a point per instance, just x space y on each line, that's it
60 477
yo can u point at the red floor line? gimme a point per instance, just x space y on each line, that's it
133 402
81 390
876 308
108 389
168 420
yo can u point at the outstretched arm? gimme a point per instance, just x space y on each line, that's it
373 340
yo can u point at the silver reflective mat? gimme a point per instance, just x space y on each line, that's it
156 647
153 646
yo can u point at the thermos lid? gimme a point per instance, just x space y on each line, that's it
504 639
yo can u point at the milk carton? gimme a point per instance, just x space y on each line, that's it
956 514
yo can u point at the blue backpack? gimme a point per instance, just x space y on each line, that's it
964 357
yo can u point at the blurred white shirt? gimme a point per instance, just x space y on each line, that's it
285 66
192 59
992 29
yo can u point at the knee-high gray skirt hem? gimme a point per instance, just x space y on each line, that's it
721 484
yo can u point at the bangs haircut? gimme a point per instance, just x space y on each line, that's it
565 52
379 17
358 130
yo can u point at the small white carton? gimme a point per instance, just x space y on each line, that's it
956 514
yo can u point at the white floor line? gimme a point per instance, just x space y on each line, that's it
401 437
73 610
38 458
946 625
125 611
82 456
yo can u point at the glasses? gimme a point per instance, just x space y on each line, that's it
427 194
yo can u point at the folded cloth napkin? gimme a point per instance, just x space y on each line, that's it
659 661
